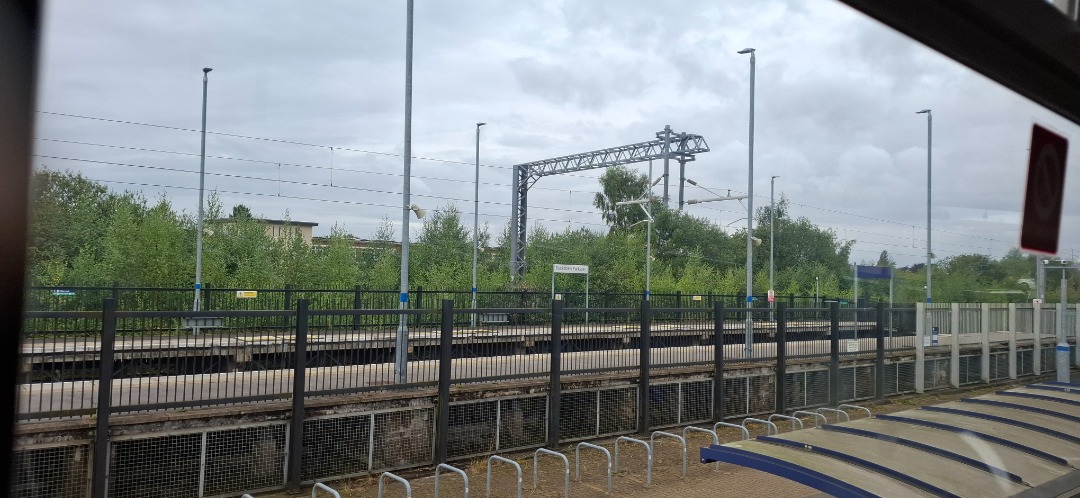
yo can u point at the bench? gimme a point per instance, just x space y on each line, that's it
494 318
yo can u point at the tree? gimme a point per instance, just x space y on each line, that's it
619 184
240 211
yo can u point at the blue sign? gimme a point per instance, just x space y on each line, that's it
934 333
873 272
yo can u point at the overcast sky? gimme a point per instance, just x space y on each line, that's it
836 97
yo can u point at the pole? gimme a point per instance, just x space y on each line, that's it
772 241
929 176
401 353
476 223
667 154
648 256
750 215
202 175
1062 350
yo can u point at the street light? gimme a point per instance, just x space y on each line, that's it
644 201
476 223
929 139
202 174
401 342
772 241
750 214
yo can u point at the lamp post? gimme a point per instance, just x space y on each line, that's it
750 214
401 342
772 242
643 202
929 143
476 222
202 174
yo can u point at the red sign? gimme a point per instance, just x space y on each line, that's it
772 296
1041 227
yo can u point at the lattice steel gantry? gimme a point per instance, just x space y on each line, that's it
683 147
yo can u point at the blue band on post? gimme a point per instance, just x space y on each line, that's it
474 290
198 286
749 299
928 300
1063 348
404 297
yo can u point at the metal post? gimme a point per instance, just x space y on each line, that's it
879 358
1062 348
954 345
202 174
648 252
554 381
682 181
834 353
446 345
104 399
296 429
781 358
750 214
644 359
401 343
476 224
667 155
357 304
718 362
929 176
772 241
922 330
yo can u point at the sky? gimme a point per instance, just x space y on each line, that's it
305 113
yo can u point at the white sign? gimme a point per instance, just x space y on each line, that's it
1036 301
558 297
772 296
584 269
852 346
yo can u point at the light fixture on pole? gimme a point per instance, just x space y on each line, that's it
401 342
929 143
643 202
750 213
772 243
476 223
202 174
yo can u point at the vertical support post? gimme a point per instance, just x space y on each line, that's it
104 399
1076 334
296 430
1012 340
718 362
554 379
954 345
446 346
781 357
419 306
984 332
834 353
922 321
1036 327
879 349
357 303
288 304
644 359
679 305
205 304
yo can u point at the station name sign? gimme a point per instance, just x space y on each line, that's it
584 269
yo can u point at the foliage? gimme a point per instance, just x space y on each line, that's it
84 234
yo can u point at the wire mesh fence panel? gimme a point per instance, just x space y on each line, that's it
244 459
579 414
999 365
1025 361
473 428
970 369
336 446
403 438
57 471
663 404
857 383
167 466
937 373
695 401
806 389
617 411
899 377
522 422
1049 359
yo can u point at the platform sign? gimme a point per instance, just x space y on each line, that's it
1044 195
935 334
63 292
582 269
852 346
696 298
243 294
